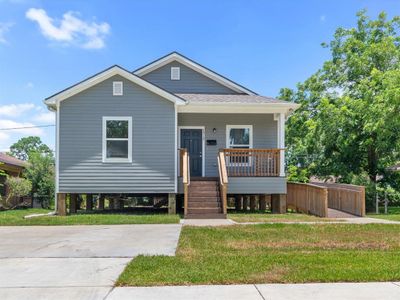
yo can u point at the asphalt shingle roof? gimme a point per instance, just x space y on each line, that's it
228 98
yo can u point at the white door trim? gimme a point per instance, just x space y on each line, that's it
203 148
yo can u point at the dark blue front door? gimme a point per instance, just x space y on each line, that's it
192 140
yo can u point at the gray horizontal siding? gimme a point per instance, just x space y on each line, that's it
153 148
264 132
257 185
190 82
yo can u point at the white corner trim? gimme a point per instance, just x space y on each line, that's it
57 161
281 141
104 140
106 75
176 150
194 66
203 147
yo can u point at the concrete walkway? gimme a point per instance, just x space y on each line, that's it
75 262
314 291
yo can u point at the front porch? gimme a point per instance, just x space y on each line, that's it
250 176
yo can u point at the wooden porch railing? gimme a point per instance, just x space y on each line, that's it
252 162
185 173
223 181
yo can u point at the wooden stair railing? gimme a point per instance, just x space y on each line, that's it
185 172
223 181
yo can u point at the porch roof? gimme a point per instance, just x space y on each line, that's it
230 98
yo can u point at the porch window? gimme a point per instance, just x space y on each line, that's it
117 139
239 137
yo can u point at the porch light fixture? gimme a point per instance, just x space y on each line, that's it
214 130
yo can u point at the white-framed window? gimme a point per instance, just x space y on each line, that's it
175 73
239 137
118 88
117 139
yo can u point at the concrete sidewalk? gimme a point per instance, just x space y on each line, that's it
314 291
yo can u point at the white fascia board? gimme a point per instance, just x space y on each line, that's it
52 101
194 66
287 109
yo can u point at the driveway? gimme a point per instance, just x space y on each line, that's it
75 262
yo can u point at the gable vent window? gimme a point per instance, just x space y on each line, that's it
118 88
175 73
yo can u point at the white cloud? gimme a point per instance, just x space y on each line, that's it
13 110
4 28
29 85
322 18
46 117
70 30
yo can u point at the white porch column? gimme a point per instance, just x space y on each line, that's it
280 118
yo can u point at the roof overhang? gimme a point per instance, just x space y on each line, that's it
194 66
270 108
52 101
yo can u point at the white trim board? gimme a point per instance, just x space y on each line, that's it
194 66
237 108
203 148
104 75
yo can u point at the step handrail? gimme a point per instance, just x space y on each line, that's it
223 180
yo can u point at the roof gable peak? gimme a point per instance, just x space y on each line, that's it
176 56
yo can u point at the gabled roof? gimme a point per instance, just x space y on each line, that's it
175 56
103 75
10 160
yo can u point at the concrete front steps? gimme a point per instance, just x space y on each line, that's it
204 201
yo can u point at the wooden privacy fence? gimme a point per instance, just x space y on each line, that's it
307 198
346 197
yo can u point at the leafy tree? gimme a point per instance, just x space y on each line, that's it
348 124
296 174
40 171
26 145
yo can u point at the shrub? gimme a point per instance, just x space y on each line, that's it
17 187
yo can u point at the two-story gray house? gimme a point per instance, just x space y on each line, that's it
172 127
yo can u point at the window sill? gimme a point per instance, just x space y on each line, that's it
117 161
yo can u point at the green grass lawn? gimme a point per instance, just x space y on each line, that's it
393 214
279 253
16 217
269 217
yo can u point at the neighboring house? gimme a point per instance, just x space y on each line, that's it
119 132
12 167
